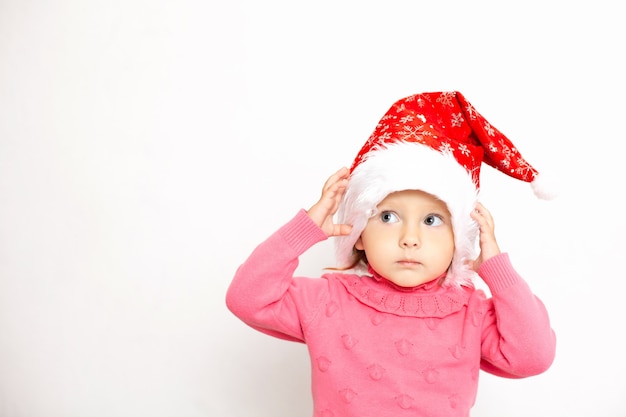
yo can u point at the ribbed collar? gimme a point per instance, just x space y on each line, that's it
426 300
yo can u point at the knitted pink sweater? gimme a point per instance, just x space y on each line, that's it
380 350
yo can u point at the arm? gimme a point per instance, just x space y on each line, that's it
264 294
517 340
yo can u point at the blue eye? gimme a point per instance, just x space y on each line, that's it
388 217
433 220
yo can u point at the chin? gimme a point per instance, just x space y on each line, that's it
411 282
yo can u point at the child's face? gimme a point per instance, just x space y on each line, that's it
410 239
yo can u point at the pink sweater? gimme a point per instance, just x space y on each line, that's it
380 350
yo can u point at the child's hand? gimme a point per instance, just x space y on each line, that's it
322 212
488 245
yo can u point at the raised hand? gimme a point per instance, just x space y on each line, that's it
322 212
488 245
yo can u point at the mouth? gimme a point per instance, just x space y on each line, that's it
409 262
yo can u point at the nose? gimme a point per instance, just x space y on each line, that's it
410 237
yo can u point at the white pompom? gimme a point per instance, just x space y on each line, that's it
542 188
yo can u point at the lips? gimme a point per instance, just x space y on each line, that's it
409 262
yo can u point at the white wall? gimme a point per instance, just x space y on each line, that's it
147 146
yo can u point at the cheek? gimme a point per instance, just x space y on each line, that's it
370 236
445 245
450 249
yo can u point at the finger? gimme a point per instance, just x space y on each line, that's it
483 223
332 197
336 190
342 229
482 211
340 175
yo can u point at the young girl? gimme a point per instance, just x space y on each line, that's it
398 329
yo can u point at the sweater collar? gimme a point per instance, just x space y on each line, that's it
426 300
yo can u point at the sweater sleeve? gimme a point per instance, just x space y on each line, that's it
517 339
264 293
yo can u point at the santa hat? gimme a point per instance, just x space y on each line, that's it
434 142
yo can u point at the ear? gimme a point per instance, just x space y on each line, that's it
359 244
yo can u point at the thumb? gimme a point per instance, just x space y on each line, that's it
341 230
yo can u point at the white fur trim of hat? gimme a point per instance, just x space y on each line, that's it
436 143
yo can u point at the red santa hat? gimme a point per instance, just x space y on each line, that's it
434 142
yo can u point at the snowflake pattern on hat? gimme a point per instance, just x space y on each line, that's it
447 122
436 143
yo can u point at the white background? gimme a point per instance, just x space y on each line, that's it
147 146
